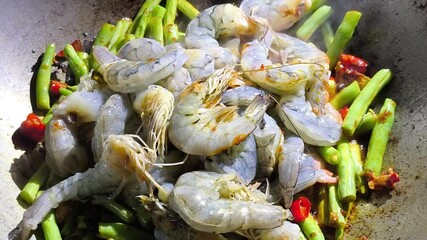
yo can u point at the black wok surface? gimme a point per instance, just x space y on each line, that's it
391 34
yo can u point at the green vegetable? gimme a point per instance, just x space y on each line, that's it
346 174
313 22
359 106
102 39
367 123
121 231
50 227
119 32
336 217
327 34
311 229
170 29
379 137
30 190
346 95
329 154
342 36
43 78
120 211
155 26
323 206
356 155
142 18
77 65
188 9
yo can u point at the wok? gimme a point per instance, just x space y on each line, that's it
391 34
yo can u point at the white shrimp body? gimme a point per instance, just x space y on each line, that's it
200 64
276 78
286 231
111 120
241 96
64 154
155 106
176 82
298 116
240 159
224 20
127 76
219 203
199 126
122 156
281 14
141 49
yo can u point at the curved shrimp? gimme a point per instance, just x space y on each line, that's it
155 106
127 76
111 120
240 159
286 231
199 64
281 14
64 154
176 82
122 156
141 49
224 20
199 126
219 203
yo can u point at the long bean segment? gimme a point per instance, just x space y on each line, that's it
379 137
346 95
30 190
50 227
120 30
121 231
311 229
327 34
330 154
141 20
342 36
314 22
356 155
155 27
120 211
43 78
102 39
187 9
77 65
170 28
346 174
367 123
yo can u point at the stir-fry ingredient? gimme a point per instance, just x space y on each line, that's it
207 132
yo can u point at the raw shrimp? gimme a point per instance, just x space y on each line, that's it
133 76
200 64
225 20
219 203
155 106
111 120
240 159
281 14
176 82
241 96
141 49
199 126
122 156
286 231
64 154
298 116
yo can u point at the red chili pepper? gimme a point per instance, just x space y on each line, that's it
343 111
33 128
354 63
300 209
77 45
55 86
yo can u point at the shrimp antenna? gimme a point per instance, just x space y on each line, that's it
264 68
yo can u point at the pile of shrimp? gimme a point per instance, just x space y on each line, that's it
212 133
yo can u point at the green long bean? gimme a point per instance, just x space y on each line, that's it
379 137
119 32
50 227
327 34
43 78
169 26
30 190
141 20
330 154
356 155
120 211
345 96
342 36
155 26
367 123
311 229
188 9
102 39
359 106
314 22
121 231
346 174
77 65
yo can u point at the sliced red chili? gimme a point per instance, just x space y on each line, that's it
300 209
77 45
33 128
55 86
343 111
354 63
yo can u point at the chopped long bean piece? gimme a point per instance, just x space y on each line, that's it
102 39
121 231
84 56
170 28
43 78
316 4
188 9
342 36
311 229
336 217
356 155
313 22
323 206
155 26
65 92
77 65
346 95
70 224
141 20
359 106
50 227
346 174
379 137
327 34
120 211
329 154
48 116
120 30
367 123
30 190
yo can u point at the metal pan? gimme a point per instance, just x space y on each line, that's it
391 34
